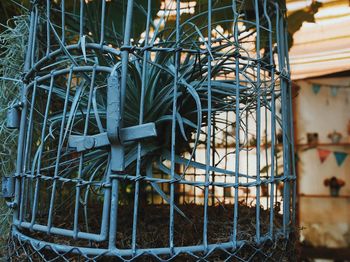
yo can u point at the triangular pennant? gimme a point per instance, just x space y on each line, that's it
316 88
340 157
323 154
334 91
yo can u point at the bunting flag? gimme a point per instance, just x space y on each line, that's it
323 154
316 88
340 157
334 91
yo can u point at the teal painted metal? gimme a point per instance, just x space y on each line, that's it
100 109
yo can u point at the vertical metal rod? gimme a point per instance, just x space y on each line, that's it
247 150
290 154
266 127
163 189
258 120
21 137
292 157
141 113
81 158
33 40
36 189
118 159
117 153
60 143
194 179
28 145
113 220
226 151
48 33
291 119
173 127
28 140
60 140
208 142
213 160
103 22
81 22
29 50
106 203
237 135
273 121
61 136
284 120
63 40
125 52
42 140
23 201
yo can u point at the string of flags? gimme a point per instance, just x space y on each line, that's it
333 89
316 88
324 153
339 156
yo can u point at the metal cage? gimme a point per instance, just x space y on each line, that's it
154 130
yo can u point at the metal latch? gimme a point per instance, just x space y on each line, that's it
8 187
115 135
14 116
128 134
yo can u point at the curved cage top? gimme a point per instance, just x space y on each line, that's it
157 128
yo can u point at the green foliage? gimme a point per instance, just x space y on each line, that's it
222 14
114 18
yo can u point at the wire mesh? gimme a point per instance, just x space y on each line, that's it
155 130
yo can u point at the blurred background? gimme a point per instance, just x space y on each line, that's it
320 63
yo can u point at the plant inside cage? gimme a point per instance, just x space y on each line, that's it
204 85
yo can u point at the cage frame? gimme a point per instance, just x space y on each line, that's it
108 225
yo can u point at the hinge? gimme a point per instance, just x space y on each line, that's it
8 187
14 116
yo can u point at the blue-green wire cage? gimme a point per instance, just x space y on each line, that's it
153 130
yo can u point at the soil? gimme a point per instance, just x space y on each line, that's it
153 232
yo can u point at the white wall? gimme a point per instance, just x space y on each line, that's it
326 219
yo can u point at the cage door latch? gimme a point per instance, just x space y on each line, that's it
14 116
128 134
115 135
7 187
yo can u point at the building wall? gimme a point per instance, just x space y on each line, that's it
325 220
322 47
